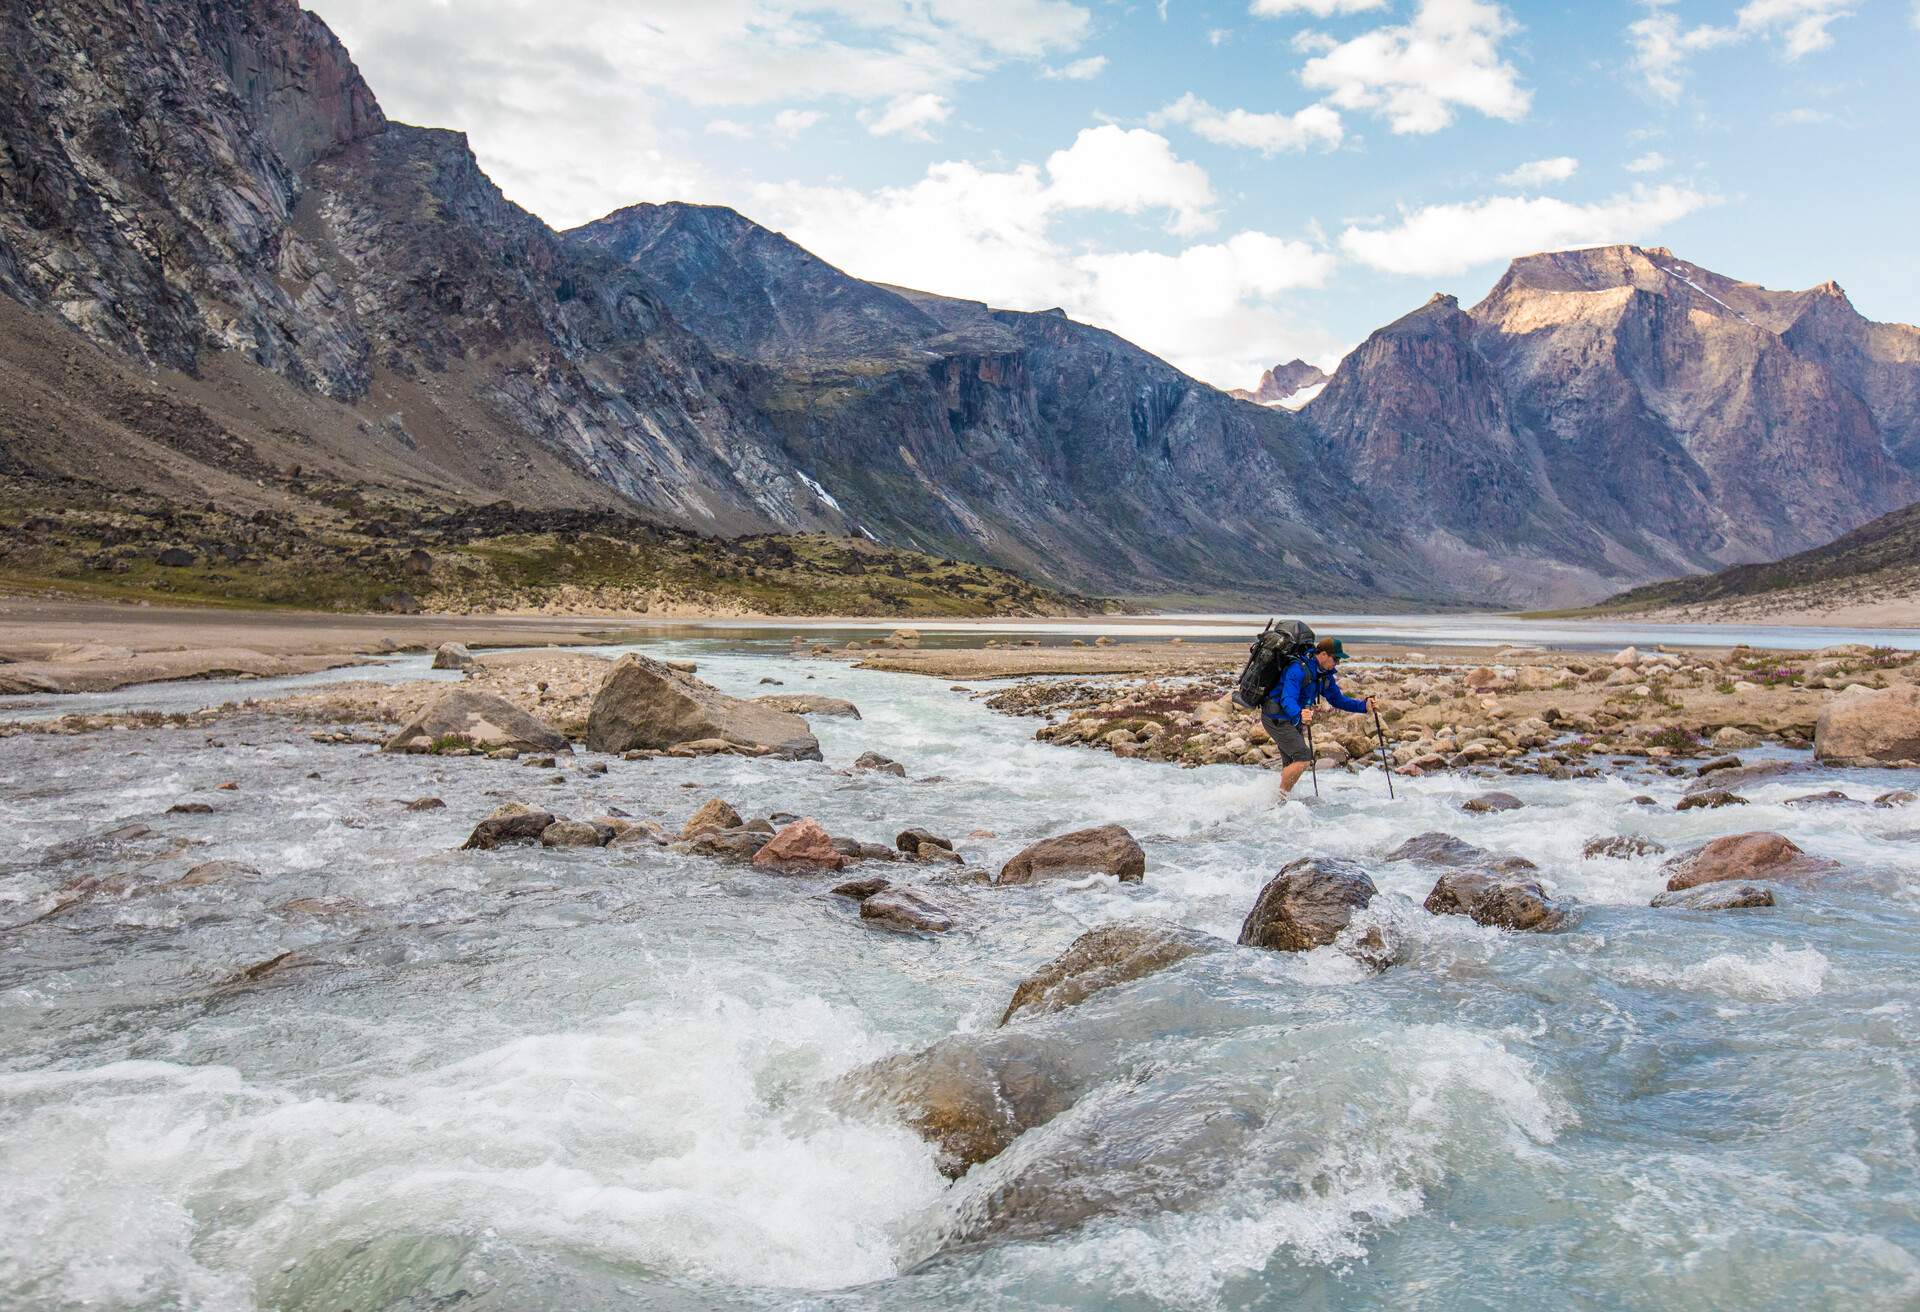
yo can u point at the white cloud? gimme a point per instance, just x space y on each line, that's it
726 127
1219 36
1542 172
792 122
1803 117
912 117
1318 8
990 234
1316 125
1080 70
1662 44
1127 171
1449 239
1651 162
1418 75
563 100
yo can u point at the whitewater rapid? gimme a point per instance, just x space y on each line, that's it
601 1078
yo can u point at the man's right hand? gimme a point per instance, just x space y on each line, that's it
1306 715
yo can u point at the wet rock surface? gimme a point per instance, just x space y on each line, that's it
1306 905
512 822
1759 855
1105 849
1503 901
905 911
1727 895
1105 958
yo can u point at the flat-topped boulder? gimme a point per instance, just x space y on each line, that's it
482 721
646 704
1105 850
1870 726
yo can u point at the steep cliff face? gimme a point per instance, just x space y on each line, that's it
1625 415
1025 438
191 184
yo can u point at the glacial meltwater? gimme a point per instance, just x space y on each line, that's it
611 1078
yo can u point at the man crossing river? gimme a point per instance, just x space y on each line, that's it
1291 705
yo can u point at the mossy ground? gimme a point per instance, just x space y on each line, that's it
336 549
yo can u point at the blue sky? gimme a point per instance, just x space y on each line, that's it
1229 184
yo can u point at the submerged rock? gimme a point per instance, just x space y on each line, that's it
1708 799
1489 802
1102 958
803 703
215 872
1307 904
880 764
1871 727
861 889
1107 850
1491 899
1762 855
804 844
905 911
1736 776
1832 797
970 1096
1622 847
647 704
513 822
481 721
1440 849
426 804
1724 896
1898 797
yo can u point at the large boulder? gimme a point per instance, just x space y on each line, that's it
1868 726
452 656
1307 904
1102 958
1502 901
802 845
513 822
1759 855
1107 850
1739 775
466 717
1490 802
646 704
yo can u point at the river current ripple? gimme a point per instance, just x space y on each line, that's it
598 1079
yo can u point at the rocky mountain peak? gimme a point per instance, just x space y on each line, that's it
1290 385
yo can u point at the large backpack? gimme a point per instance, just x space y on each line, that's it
1277 647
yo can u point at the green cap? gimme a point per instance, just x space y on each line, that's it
1339 650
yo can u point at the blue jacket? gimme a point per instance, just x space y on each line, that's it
1304 684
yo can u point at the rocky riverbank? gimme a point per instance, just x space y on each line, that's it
1517 711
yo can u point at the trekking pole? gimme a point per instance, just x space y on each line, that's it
1386 760
1313 762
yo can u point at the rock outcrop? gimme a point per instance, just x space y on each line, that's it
483 721
1105 850
645 704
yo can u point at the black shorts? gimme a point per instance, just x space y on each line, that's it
1288 738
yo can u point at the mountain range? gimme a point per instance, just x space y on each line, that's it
223 263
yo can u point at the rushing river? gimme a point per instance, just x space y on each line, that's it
601 1078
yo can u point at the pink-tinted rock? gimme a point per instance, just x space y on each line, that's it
804 843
